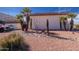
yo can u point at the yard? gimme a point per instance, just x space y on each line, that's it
56 41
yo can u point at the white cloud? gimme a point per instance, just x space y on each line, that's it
64 10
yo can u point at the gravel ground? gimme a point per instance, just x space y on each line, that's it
56 41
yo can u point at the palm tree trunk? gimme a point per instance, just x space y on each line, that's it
60 25
21 23
27 25
71 24
64 24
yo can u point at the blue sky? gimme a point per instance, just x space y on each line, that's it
16 10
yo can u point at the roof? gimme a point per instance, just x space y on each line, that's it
41 14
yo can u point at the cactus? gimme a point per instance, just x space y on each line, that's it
30 23
47 26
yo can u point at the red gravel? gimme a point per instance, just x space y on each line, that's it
61 41
56 41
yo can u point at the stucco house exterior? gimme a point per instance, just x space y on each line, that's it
39 20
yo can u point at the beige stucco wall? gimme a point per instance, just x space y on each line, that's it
39 22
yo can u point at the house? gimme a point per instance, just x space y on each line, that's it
39 20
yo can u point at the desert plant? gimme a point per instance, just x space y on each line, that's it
47 24
72 16
63 22
76 26
28 11
19 18
2 22
30 23
13 42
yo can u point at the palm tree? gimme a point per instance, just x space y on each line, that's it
26 11
63 22
19 18
72 16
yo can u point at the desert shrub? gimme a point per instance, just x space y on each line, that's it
77 26
12 42
2 22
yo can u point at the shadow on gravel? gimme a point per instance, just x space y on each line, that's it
30 32
25 47
22 47
55 35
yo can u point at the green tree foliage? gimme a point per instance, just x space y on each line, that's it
72 16
62 22
26 9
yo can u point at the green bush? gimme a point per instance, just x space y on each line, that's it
2 22
77 26
12 42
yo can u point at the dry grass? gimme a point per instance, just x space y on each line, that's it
11 42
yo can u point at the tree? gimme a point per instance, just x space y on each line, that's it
72 16
2 22
19 18
63 22
26 11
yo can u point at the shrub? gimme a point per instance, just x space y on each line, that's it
13 42
77 26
